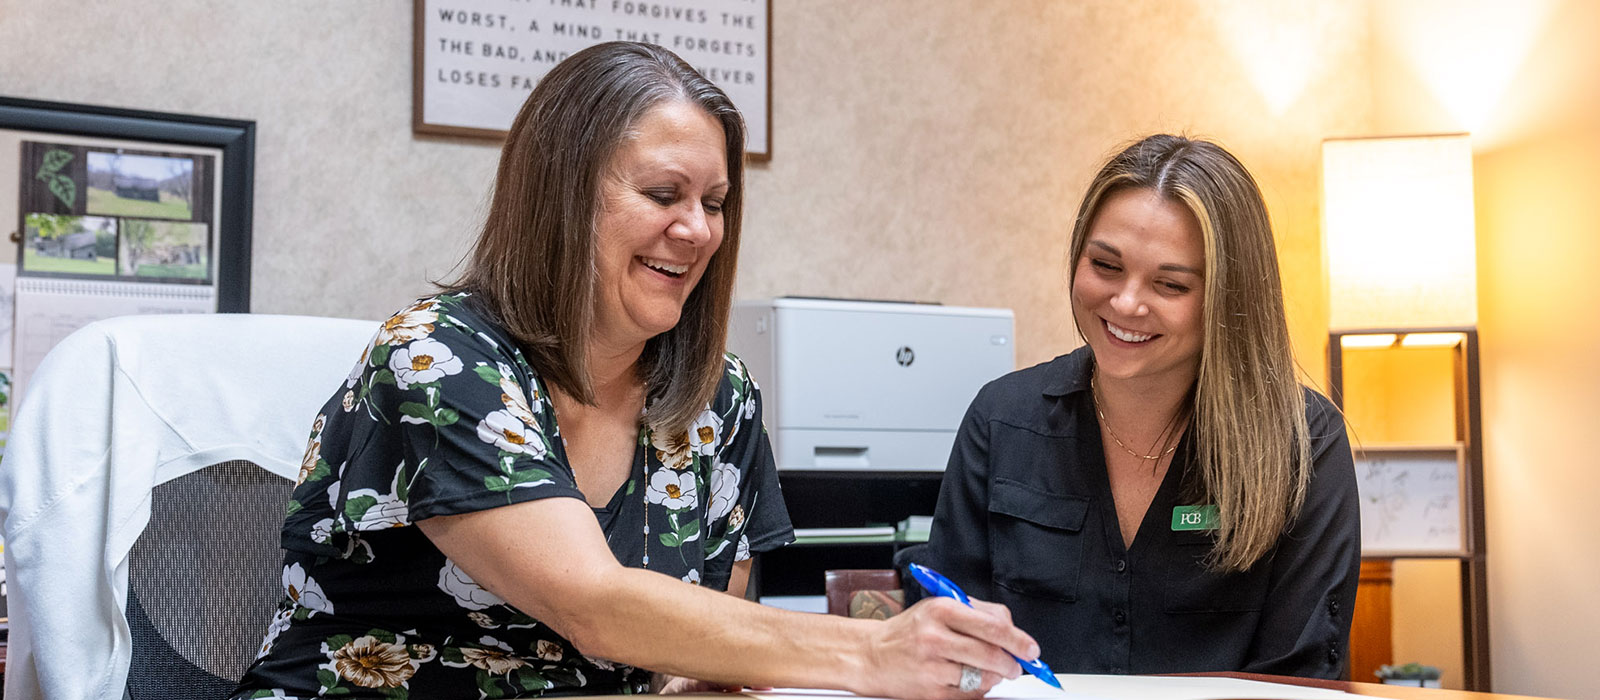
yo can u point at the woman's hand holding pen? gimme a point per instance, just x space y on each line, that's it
922 652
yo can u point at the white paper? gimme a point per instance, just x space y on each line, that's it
1097 687
1024 688
1177 688
48 310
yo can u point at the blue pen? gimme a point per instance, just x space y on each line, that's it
937 585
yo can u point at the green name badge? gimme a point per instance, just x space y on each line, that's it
1194 518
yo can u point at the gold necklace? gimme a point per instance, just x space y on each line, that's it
1094 395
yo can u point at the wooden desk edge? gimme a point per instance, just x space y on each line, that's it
1381 690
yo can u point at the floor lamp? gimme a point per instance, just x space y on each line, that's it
1398 232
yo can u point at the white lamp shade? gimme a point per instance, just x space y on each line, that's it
1397 226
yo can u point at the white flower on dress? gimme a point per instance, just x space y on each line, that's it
468 593
308 461
423 361
674 451
349 400
388 511
371 663
494 656
676 490
412 323
742 552
322 531
692 577
736 518
279 623
359 369
602 664
482 620
422 652
548 650
724 490
745 412
749 408
304 590
507 432
704 432
522 404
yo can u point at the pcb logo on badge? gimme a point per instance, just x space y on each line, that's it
1194 518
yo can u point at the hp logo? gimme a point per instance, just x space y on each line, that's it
905 356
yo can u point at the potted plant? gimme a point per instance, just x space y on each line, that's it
1409 674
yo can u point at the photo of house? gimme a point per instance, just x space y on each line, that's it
163 249
82 245
126 184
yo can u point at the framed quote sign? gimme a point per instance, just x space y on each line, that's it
477 60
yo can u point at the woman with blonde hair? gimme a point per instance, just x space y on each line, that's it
1168 497
549 479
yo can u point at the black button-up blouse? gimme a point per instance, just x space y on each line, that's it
1025 518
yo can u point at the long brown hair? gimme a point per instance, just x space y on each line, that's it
1247 406
533 268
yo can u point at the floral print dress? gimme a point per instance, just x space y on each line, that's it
443 416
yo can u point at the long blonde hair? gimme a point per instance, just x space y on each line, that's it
1247 406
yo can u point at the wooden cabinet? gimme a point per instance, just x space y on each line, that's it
1371 639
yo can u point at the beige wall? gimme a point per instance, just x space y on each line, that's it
930 150
1522 78
352 213
937 150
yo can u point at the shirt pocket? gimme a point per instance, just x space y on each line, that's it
1192 588
1036 539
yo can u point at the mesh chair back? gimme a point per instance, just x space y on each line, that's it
203 580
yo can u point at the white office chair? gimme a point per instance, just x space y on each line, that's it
142 492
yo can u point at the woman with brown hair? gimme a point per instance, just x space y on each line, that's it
1168 497
540 480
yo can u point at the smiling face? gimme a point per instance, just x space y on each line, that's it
659 223
1138 289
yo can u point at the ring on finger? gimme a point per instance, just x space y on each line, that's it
971 679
